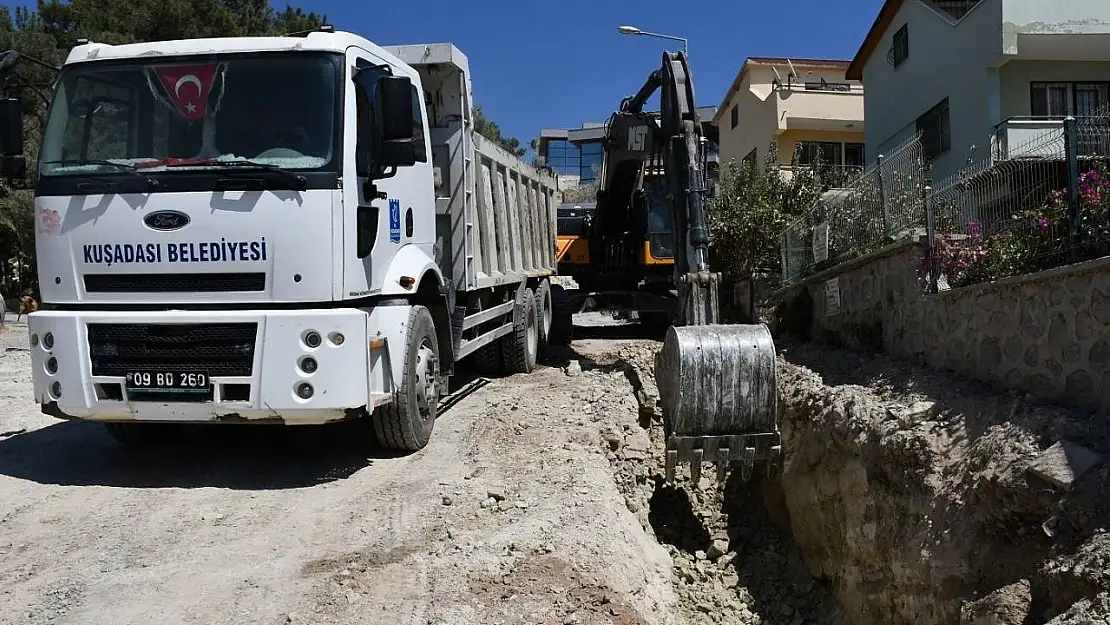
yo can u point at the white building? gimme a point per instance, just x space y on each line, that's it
966 71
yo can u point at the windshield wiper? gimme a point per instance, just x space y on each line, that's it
129 169
293 176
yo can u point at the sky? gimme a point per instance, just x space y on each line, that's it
558 64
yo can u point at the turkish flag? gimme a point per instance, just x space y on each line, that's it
188 87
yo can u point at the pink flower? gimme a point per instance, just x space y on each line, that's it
1043 223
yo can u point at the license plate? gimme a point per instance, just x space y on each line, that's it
187 385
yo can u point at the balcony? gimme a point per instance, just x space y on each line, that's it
814 108
1042 138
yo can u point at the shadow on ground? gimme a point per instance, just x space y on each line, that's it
672 518
769 563
239 457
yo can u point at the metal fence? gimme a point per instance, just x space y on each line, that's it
1041 199
881 205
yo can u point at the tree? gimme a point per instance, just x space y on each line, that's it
490 130
751 209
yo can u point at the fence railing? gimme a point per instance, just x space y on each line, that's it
882 204
1041 200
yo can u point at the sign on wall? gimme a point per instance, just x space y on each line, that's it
821 242
832 297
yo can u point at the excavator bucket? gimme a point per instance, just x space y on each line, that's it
717 386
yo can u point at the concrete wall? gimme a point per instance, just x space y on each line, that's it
1051 17
1046 333
945 60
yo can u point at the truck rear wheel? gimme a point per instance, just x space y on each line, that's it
406 424
546 311
562 318
518 349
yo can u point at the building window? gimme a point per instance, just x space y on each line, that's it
591 159
735 114
829 151
749 159
1060 99
900 47
936 138
563 157
854 155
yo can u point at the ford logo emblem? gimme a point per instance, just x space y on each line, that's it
166 220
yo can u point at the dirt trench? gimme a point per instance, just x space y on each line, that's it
907 496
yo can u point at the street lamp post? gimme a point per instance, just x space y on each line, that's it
632 30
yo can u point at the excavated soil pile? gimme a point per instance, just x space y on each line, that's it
922 498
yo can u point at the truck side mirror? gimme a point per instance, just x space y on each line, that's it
12 163
395 104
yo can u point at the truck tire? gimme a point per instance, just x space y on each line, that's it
519 348
487 359
406 424
546 311
142 434
562 320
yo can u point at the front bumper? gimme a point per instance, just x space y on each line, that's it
253 359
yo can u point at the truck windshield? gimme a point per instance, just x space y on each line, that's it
278 110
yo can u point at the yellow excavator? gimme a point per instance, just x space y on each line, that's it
619 249
717 382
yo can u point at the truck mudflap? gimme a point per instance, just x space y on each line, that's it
717 386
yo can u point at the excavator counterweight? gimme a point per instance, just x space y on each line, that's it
717 382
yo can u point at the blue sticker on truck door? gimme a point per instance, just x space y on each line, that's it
394 220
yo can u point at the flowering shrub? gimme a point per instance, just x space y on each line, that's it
1033 240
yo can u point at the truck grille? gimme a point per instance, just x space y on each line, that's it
175 282
216 348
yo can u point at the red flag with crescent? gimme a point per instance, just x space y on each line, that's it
188 86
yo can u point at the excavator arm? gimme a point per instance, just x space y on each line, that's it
717 382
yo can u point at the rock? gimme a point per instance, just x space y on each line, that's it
496 495
1008 605
573 369
787 610
699 554
504 505
726 560
1063 463
730 580
523 505
447 500
717 549
916 413
613 439
704 484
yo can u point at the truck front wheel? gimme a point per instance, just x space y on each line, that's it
406 424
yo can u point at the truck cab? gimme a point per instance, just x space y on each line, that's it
241 230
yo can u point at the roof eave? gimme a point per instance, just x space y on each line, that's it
871 40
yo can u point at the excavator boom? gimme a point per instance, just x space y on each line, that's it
717 382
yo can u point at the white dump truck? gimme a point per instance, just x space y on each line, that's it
296 229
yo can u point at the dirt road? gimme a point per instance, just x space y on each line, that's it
511 515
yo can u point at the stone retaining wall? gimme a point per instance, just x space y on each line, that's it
1046 333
